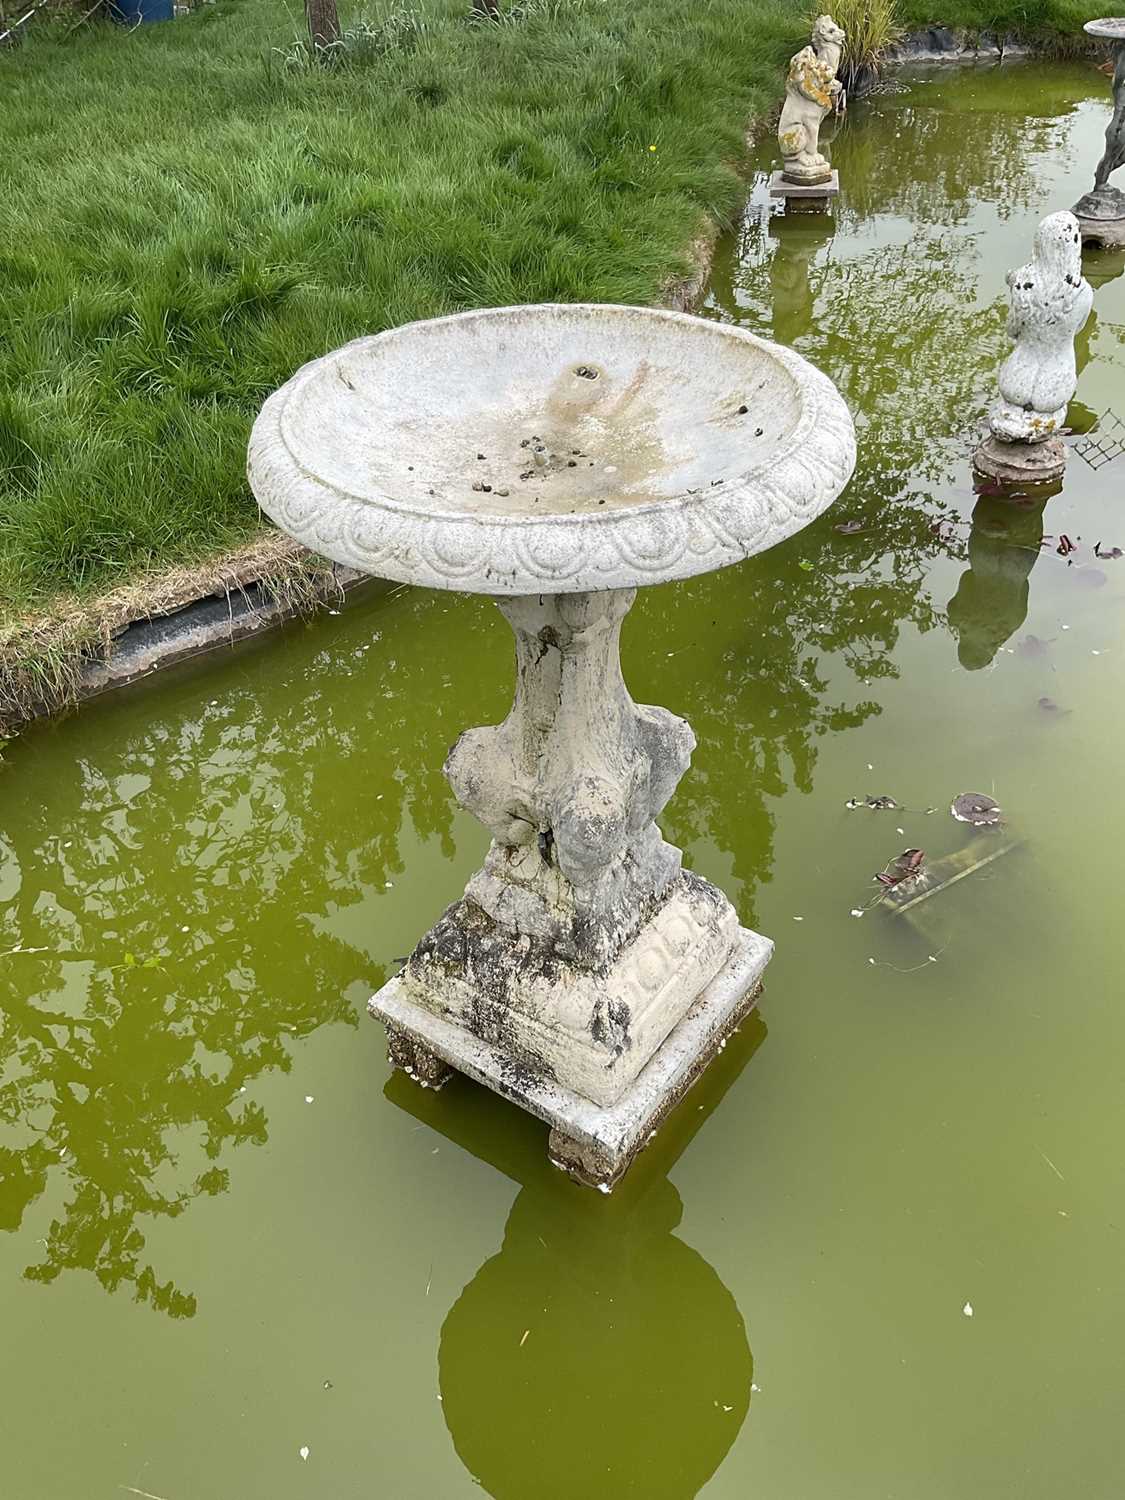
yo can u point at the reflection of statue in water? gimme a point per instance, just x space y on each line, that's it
811 90
596 1354
990 604
798 240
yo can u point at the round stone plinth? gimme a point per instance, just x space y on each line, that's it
1104 234
812 179
1020 463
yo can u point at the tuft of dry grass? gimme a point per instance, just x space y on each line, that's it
44 655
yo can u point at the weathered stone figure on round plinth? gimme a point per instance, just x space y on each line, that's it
811 91
1049 302
1101 212
556 458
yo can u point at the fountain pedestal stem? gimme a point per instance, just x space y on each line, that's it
581 943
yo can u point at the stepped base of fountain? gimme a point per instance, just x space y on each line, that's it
593 1143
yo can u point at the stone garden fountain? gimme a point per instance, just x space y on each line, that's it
557 458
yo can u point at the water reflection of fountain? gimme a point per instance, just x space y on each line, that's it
596 1353
991 600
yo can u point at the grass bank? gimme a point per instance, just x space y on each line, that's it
1046 21
186 218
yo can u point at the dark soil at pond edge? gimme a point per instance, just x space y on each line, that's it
160 291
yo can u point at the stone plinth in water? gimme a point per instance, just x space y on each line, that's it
557 458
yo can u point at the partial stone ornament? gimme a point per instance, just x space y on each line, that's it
1101 211
557 458
811 91
1049 303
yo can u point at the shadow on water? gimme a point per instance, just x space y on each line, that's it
596 1354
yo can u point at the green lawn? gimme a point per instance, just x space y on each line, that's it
185 219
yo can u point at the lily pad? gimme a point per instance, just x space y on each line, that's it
977 809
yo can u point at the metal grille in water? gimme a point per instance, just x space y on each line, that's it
1104 442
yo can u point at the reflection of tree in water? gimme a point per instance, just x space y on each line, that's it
933 164
896 328
990 604
246 824
596 1354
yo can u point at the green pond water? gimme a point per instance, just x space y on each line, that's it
229 1235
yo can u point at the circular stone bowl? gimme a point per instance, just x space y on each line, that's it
550 449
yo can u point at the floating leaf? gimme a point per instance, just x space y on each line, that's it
877 804
849 528
803 562
1107 552
977 809
1066 546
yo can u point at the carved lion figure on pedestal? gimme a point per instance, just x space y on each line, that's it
811 90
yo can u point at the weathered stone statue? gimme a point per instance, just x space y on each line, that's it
1049 302
811 90
1101 212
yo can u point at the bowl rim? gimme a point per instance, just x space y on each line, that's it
493 552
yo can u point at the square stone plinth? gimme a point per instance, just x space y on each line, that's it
594 1144
806 197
